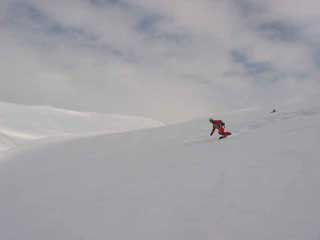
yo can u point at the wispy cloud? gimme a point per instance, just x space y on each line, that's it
281 31
170 60
252 67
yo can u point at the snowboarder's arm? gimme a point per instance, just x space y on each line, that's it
213 129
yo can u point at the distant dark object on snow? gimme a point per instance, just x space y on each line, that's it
273 111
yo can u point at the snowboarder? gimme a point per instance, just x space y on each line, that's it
219 124
273 111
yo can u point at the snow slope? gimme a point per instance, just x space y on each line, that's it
171 183
21 124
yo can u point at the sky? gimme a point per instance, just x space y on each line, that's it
170 60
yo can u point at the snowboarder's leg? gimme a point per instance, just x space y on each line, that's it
223 133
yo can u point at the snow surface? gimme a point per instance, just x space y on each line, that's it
21 124
173 182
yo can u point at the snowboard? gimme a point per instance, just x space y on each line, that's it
222 137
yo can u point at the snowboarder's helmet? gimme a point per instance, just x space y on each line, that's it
211 120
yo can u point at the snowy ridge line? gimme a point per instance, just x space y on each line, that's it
242 110
4 106
38 143
21 124
19 135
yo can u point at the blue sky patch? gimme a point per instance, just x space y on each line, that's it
277 30
106 2
252 67
26 16
148 23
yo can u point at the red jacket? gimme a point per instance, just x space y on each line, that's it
217 124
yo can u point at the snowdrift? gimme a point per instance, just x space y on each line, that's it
170 183
21 124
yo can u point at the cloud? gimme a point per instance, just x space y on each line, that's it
169 60
280 31
251 67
